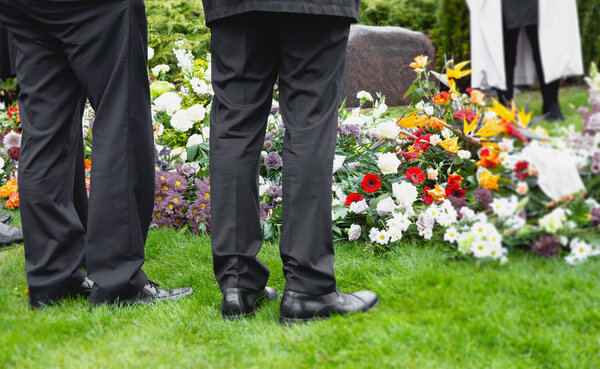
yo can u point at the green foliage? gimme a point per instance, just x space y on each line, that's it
451 36
174 20
414 14
589 23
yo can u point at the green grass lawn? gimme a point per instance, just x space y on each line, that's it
434 313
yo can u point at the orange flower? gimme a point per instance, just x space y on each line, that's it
477 97
420 62
489 158
441 98
10 187
88 164
436 123
13 201
412 120
488 180
438 193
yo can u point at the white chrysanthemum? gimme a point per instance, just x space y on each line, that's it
508 161
394 234
580 250
467 213
161 68
12 139
378 236
355 232
464 154
386 207
196 113
364 95
481 249
180 121
194 139
504 207
451 235
405 193
388 130
427 234
388 163
379 110
199 86
168 102
358 207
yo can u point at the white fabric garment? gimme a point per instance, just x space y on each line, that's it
560 44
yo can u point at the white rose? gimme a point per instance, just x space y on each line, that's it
338 162
168 102
435 139
379 110
196 113
355 119
180 121
432 174
354 232
199 86
150 53
206 133
429 110
388 130
385 207
405 193
194 139
388 163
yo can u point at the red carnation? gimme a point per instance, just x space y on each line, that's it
371 183
465 114
427 199
454 180
416 175
410 155
13 153
456 191
353 197
521 170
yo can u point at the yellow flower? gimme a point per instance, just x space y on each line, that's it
503 112
450 144
412 120
491 128
420 62
456 73
488 180
438 193
477 97
158 214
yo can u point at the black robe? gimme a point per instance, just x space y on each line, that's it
216 9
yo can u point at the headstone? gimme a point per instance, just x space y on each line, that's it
378 59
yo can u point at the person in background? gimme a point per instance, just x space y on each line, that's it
67 52
515 41
303 43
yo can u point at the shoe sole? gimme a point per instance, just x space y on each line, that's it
287 320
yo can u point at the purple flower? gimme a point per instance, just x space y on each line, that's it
265 211
582 110
273 161
591 123
484 196
457 203
268 145
546 247
594 99
189 169
274 191
350 129
425 222
12 139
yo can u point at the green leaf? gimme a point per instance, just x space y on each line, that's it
192 152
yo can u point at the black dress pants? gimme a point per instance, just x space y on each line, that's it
249 51
67 52
549 90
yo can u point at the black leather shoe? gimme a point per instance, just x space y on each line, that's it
5 218
86 287
151 293
240 303
301 307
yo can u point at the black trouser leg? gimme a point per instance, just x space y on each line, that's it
51 153
245 58
549 90
103 45
313 57
510 59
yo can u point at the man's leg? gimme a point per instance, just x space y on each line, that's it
510 37
549 91
106 45
50 110
244 65
311 73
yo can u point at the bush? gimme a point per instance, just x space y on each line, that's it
589 22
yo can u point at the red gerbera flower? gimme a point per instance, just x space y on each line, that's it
371 183
427 198
416 175
353 197
454 180
521 169
456 191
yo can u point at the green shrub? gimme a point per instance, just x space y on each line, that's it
589 22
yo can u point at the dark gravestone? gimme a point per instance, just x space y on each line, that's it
378 59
